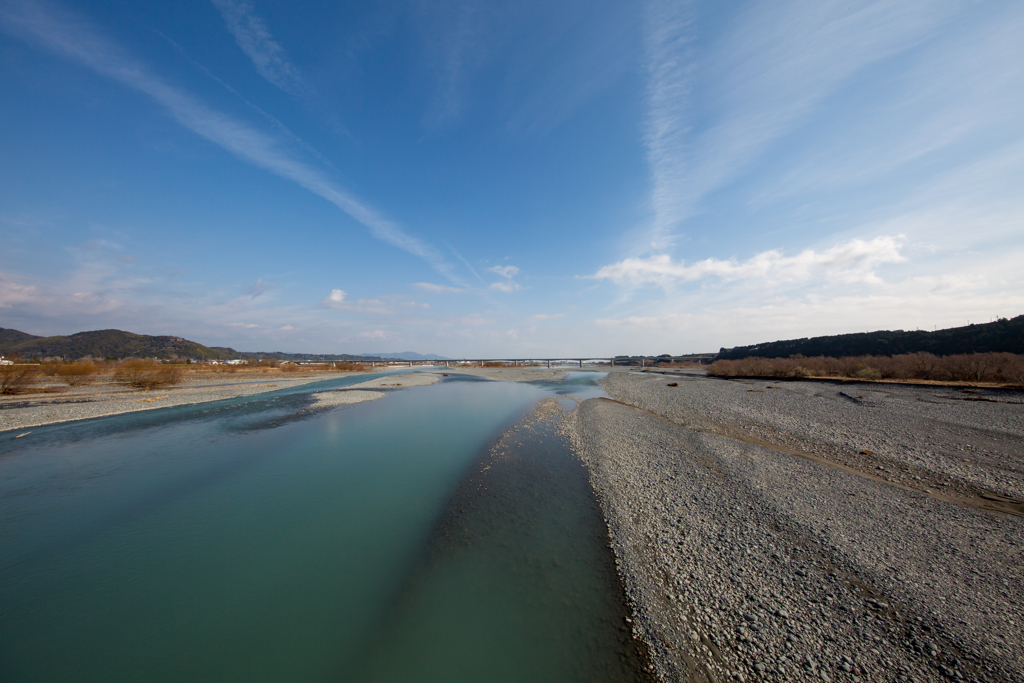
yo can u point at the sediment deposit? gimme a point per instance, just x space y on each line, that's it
814 531
330 399
103 399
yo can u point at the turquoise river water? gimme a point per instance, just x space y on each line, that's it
259 539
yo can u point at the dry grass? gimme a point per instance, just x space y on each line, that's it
77 374
979 368
147 374
271 367
349 367
16 379
679 364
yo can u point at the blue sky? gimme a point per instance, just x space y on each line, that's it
509 179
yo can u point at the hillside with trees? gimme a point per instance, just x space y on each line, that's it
104 344
120 344
1004 335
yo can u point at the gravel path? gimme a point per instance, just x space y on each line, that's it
755 546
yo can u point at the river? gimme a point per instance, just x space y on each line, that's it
261 539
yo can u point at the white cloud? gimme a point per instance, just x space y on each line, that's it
439 289
338 300
373 335
252 35
546 316
505 271
946 289
248 326
850 262
14 294
72 38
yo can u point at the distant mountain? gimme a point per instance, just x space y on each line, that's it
104 344
406 355
120 344
1002 335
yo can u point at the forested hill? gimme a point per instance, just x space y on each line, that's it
103 344
10 338
120 344
1005 334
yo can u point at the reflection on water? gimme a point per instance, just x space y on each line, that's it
258 539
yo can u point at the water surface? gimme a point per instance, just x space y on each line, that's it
260 539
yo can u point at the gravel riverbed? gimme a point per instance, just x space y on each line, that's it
102 399
817 531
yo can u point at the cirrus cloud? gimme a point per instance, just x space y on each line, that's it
439 289
504 271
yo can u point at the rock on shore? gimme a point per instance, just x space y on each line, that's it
758 543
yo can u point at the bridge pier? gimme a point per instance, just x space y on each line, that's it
549 365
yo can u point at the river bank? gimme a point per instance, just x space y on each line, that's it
810 532
109 398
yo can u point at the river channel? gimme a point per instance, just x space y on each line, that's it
264 539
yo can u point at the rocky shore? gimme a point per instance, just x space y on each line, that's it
813 531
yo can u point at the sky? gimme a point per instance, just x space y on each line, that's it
509 179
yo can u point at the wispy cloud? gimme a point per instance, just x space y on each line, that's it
777 63
73 38
267 55
546 316
456 32
853 261
374 336
504 271
338 300
506 286
259 288
439 289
